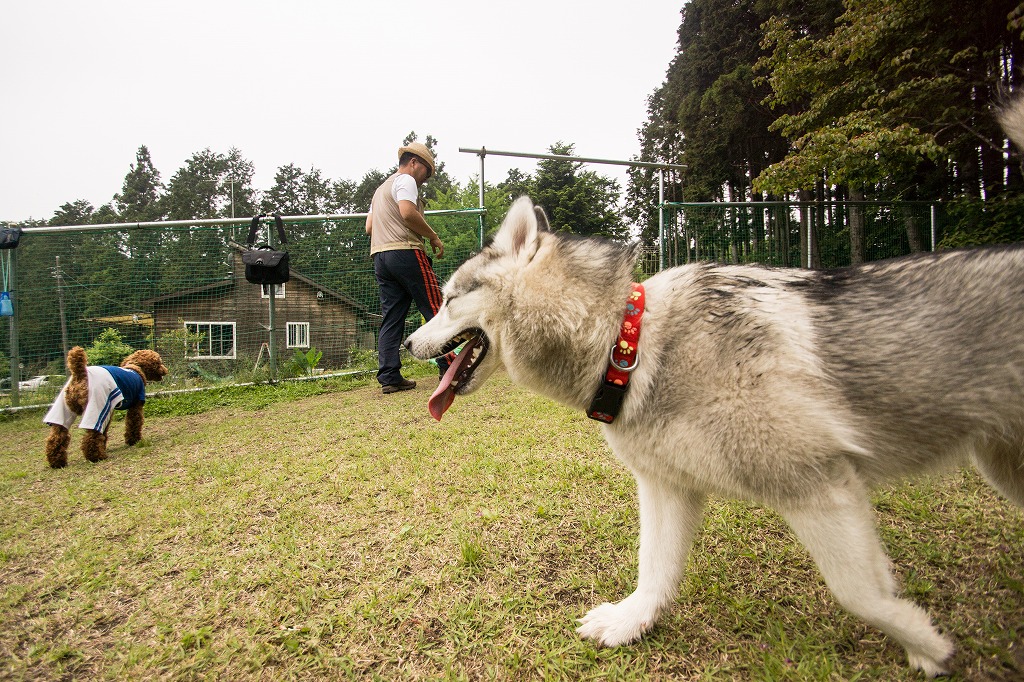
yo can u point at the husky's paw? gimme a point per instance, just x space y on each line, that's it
933 661
617 624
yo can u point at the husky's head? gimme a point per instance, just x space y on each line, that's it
473 302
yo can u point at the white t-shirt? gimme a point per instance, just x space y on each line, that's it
404 188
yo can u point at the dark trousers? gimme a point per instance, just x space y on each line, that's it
403 276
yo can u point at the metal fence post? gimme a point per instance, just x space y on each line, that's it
934 227
661 219
483 153
15 352
271 346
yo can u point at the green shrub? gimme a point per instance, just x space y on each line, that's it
304 363
108 349
973 222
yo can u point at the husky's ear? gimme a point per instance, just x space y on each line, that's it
518 233
542 219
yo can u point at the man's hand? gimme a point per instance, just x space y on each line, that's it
437 245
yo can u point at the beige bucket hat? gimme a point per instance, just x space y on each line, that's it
420 150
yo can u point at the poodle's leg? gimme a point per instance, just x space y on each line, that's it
94 445
133 425
57 446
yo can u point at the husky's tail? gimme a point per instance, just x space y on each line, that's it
1011 116
76 364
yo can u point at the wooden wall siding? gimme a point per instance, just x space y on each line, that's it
332 321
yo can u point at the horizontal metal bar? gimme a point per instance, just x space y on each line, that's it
483 151
160 394
213 222
863 202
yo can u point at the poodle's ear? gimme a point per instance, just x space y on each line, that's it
518 234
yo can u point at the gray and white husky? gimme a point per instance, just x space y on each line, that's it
795 389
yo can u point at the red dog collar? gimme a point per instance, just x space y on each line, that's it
623 360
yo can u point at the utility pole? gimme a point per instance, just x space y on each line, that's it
231 182
58 275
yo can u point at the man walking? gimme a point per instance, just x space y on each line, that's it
403 270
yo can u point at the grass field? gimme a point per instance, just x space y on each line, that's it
323 531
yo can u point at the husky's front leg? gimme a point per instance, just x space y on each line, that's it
669 519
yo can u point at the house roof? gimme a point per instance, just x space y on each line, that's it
230 282
206 288
141 319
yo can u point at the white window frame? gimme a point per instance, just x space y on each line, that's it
301 330
194 353
279 290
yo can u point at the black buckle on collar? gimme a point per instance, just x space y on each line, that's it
607 402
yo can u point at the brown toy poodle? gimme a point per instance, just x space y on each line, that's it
93 392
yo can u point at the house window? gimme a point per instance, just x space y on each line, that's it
278 290
214 340
298 334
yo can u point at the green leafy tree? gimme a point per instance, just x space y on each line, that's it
211 185
577 201
78 212
661 141
362 197
461 235
239 198
706 114
139 198
895 98
140 201
175 346
516 184
296 192
201 189
194 190
99 260
108 349
344 196
440 181
973 222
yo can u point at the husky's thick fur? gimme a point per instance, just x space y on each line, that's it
796 389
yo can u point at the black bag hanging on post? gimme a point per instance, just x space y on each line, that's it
9 237
263 265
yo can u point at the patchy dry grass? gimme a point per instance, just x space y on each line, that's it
346 535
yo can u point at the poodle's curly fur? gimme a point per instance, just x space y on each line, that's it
146 363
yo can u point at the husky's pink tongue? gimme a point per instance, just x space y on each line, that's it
444 395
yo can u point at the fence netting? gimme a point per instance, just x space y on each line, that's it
181 288
182 291
776 233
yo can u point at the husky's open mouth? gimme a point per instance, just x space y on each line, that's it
461 369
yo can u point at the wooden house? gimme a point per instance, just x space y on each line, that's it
231 317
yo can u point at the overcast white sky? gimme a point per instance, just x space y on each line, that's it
327 84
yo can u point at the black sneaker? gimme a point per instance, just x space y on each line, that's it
404 385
